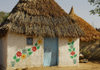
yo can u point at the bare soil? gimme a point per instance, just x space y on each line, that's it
82 66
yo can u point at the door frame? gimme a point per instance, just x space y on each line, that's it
57 50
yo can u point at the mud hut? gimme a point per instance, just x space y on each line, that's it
90 42
39 33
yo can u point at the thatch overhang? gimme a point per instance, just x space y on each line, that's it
91 34
41 18
3 32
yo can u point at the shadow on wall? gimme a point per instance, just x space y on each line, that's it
3 53
91 50
16 41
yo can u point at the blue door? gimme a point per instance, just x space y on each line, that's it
50 51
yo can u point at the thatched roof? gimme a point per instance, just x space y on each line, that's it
41 18
90 32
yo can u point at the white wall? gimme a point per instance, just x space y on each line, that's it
18 42
64 54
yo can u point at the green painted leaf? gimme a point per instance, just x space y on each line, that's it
30 53
14 57
75 55
69 50
36 44
38 47
29 49
69 43
73 42
73 49
72 57
17 60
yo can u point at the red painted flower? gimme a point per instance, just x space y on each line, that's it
19 54
34 49
72 53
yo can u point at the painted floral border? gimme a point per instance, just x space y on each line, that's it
72 49
24 53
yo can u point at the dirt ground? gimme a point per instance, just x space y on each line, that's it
82 66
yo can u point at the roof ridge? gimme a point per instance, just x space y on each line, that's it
72 11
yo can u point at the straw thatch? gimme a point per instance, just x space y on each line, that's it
41 18
90 32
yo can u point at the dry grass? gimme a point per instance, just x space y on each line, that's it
82 66
90 32
41 18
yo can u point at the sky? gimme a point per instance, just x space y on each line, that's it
81 8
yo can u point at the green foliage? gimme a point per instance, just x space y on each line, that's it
96 4
3 16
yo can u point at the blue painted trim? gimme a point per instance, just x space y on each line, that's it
50 55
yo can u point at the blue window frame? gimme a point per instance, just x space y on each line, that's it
29 40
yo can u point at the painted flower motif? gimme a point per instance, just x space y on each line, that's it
23 56
74 61
24 51
12 63
19 54
72 53
34 49
71 46
39 41
70 40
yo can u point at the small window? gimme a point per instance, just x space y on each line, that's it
29 41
